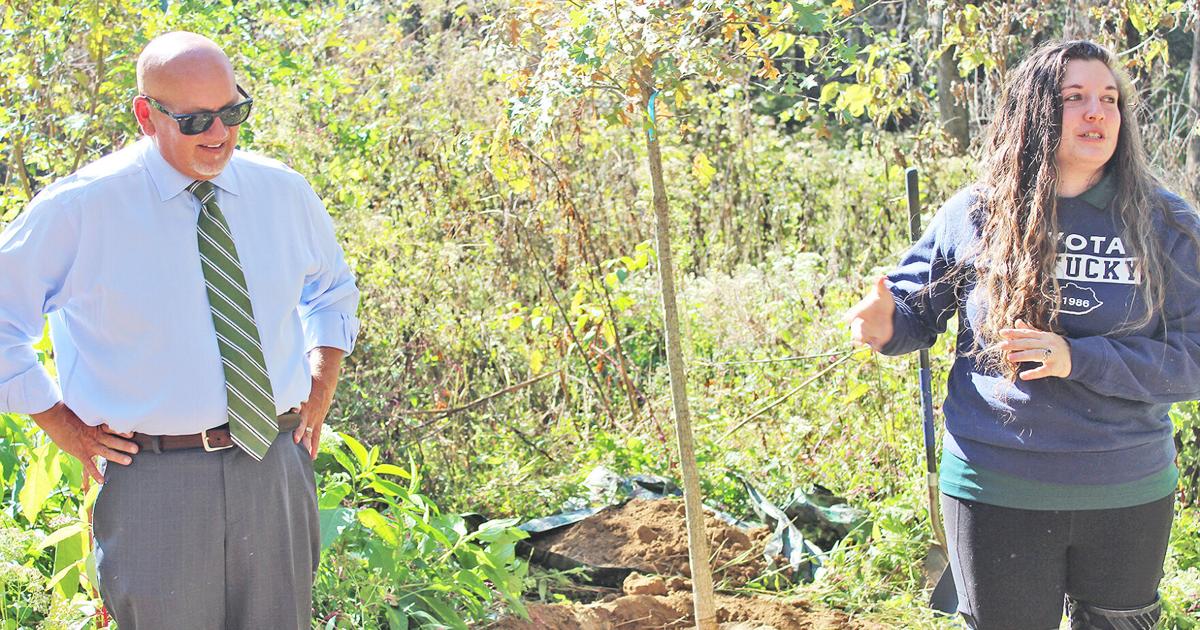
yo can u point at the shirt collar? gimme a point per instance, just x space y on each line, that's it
170 182
1101 193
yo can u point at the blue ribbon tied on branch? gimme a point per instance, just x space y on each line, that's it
650 111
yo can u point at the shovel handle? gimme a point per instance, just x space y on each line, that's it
913 191
911 187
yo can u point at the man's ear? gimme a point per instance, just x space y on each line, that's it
141 111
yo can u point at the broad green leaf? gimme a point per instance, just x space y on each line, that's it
60 534
537 360
855 98
470 580
703 169
578 17
829 91
89 569
809 18
342 458
810 46
333 522
332 495
857 392
42 474
445 613
495 530
519 185
379 524
397 619
68 555
1136 17
388 488
392 469
9 461
581 323
782 41
359 451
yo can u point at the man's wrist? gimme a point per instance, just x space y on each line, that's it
57 416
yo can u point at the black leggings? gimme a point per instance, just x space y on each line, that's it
1013 567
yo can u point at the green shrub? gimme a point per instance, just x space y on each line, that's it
394 559
1186 417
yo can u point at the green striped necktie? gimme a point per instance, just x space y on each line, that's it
247 386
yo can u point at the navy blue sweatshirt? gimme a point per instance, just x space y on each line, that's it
1105 423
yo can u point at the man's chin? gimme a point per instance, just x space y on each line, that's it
209 170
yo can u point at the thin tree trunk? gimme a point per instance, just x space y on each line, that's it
952 111
1193 145
1078 24
21 168
702 587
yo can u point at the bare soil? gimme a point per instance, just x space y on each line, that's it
651 537
673 610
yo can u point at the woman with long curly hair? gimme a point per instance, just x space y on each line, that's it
1074 275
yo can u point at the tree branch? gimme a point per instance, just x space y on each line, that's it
478 401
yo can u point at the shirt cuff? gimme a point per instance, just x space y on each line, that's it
31 392
330 330
901 332
1086 362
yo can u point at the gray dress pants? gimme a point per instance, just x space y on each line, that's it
207 541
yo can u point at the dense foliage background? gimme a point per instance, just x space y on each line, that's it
486 165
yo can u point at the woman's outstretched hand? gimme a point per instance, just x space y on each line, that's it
1024 344
871 319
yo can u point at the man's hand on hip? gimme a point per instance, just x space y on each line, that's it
326 364
85 442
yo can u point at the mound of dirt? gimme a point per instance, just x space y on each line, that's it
673 610
651 536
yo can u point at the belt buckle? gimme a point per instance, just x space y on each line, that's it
211 449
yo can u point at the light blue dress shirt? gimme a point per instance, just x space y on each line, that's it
109 253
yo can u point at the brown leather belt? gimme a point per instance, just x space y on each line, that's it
214 439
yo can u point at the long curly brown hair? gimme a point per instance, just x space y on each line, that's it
1017 205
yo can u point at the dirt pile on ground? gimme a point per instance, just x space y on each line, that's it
637 609
651 536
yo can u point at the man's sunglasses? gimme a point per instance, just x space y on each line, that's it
192 124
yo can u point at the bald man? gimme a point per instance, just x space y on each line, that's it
199 308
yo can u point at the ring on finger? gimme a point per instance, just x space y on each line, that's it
308 430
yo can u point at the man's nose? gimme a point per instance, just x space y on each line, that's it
217 130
